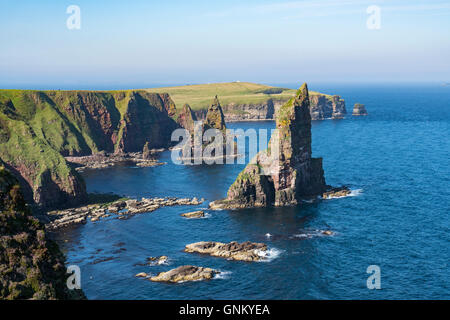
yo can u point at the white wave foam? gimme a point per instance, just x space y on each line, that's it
222 275
268 235
269 254
314 233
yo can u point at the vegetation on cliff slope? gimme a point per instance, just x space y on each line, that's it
31 265
38 128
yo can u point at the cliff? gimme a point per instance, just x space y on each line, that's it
326 107
359 110
291 176
214 119
31 265
39 128
245 101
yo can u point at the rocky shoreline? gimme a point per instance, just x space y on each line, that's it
106 160
121 209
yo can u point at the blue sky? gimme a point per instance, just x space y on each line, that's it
144 43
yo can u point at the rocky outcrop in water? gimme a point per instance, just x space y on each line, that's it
106 160
359 110
246 251
31 265
285 173
120 209
202 147
185 273
39 128
336 193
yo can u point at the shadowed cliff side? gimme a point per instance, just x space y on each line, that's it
39 128
295 175
31 265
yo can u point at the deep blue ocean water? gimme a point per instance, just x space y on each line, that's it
397 162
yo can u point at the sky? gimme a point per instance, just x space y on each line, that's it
136 44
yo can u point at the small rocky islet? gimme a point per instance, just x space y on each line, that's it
58 183
245 251
183 274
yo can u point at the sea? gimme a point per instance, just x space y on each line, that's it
390 237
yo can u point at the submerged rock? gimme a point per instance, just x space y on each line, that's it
208 138
285 173
185 273
359 110
194 214
157 260
246 251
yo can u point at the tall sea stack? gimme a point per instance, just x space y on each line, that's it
292 175
359 110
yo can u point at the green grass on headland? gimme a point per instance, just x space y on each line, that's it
200 96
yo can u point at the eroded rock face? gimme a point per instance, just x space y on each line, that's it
187 118
245 251
327 107
31 265
288 179
120 209
185 273
359 110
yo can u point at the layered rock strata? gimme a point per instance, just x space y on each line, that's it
31 265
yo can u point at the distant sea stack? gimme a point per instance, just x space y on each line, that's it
187 118
359 110
295 176
31 265
214 120
214 117
39 128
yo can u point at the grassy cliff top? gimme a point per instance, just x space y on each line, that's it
200 96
